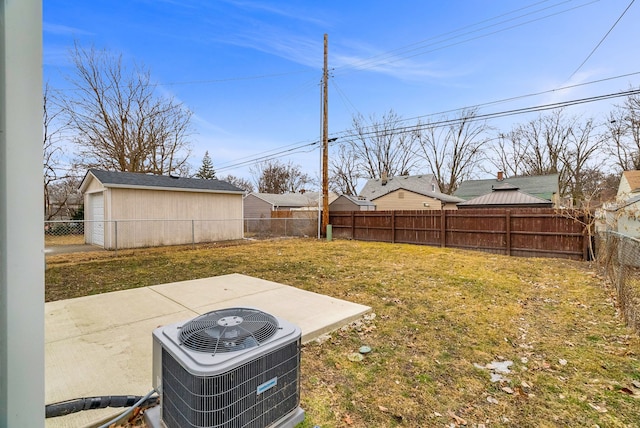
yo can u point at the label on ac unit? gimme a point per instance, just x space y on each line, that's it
267 385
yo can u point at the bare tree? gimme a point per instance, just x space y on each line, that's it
552 143
507 155
119 122
54 174
240 182
545 139
65 198
344 172
599 186
577 159
623 126
381 146
273 176
452 150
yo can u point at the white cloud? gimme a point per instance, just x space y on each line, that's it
58 29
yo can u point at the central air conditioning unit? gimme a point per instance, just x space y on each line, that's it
236 367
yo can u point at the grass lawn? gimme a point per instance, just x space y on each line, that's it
445 322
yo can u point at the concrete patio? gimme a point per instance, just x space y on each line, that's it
101 344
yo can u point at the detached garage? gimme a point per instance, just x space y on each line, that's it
131 210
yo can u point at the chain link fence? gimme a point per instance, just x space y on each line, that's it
619 257
121 234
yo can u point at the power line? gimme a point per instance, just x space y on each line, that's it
601 40
495 115
348 135
274 155
518 97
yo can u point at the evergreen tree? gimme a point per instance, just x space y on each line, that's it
206 171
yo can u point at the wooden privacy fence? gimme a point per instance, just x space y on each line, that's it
526 232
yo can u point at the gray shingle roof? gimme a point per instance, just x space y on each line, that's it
358 200
140 180
420 184
541 186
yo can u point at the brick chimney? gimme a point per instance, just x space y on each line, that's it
500 176
383 179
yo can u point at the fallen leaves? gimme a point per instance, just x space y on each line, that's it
598 408
492 400
346 418
457 419
507 389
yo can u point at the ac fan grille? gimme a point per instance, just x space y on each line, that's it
230 400
228 330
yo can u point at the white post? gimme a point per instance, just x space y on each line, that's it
21 216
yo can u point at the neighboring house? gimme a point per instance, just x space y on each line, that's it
260 205
405 192
128 210
629 185
63 207
540 186
506 196
351 203
624 215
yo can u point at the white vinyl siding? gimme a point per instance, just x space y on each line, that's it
162 217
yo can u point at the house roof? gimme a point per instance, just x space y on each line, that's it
541 186
633 178
148 181
421 184
503 195
357 200
306 199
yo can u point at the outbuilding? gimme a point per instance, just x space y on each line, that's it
351 203
130 210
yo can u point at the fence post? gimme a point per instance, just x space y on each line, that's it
193 234
353 225
393 227
507 215
443 228
116 236
285 226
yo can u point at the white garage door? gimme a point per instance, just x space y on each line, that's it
97 223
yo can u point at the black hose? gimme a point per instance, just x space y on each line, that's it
79 404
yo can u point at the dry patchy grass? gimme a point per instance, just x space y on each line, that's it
440 316
53 240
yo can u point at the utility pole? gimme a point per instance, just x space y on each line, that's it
325 141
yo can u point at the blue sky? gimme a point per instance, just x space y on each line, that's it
250 70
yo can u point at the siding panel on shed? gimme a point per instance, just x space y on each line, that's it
255 207
162 217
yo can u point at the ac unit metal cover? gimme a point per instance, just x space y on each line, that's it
236 373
